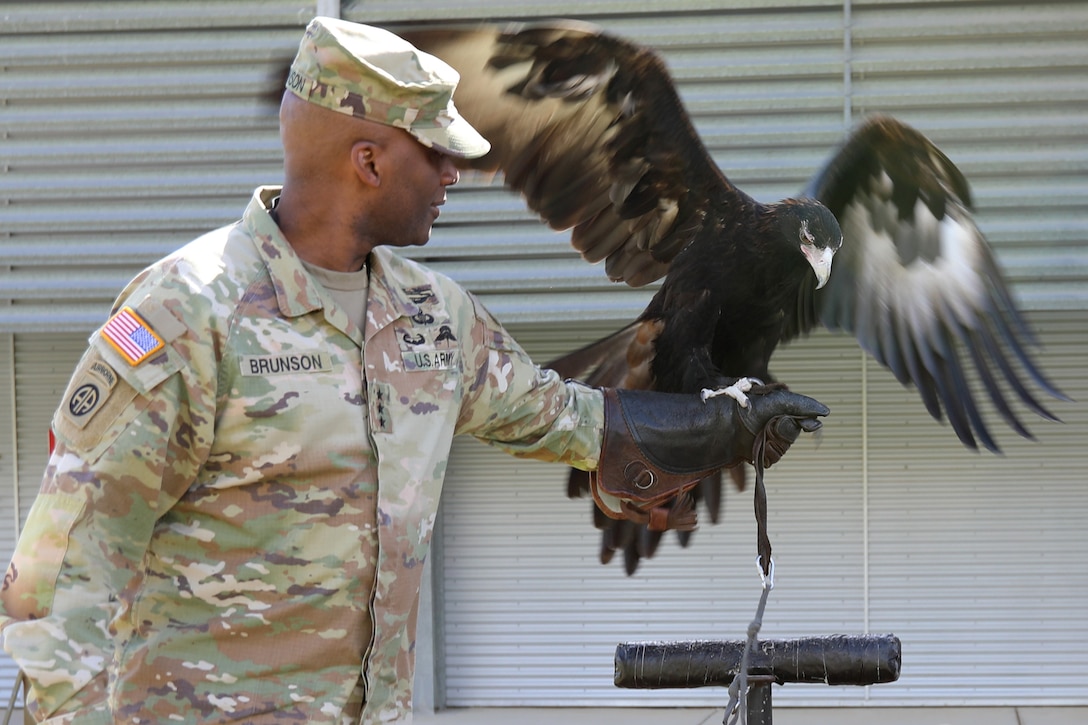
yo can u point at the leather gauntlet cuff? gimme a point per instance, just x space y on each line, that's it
655 451
656 447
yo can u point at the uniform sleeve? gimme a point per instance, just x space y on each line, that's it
523 409
130 439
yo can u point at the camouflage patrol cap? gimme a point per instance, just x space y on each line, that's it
370 73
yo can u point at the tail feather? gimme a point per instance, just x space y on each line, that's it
624 360
602 363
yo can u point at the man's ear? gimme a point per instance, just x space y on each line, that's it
364 161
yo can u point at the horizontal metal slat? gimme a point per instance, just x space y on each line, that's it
396 11
103 16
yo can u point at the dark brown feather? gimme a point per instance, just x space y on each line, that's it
590 129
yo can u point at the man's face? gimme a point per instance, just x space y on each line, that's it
412 190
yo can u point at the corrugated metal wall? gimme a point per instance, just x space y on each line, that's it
127 128
9 491
10 504
980 563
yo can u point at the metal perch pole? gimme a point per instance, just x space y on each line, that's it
832 660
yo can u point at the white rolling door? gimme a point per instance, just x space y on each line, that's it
882 524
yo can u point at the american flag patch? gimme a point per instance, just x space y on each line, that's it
131 336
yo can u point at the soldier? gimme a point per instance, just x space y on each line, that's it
249 457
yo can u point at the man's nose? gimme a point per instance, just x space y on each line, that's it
450 173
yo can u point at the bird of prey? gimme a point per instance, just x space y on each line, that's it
590 129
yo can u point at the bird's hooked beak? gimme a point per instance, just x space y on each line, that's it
820 260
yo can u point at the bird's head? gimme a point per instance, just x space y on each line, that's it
810 227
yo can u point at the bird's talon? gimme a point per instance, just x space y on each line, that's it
736 391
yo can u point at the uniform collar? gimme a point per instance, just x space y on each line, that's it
397 287
297 292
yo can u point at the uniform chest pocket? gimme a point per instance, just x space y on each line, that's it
286 414
288 385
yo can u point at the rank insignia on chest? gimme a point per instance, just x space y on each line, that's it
129 335
380 397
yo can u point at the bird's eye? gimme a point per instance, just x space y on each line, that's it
806 235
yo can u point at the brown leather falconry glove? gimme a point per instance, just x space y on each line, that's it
658 446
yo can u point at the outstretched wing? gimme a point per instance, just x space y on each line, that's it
917 283
590 129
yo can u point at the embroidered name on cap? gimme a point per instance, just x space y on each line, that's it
131 336
285 364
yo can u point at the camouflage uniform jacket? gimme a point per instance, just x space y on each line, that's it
198 550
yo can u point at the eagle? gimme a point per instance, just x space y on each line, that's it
882 244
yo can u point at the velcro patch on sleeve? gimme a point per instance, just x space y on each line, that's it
96 398
131 336
88 392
